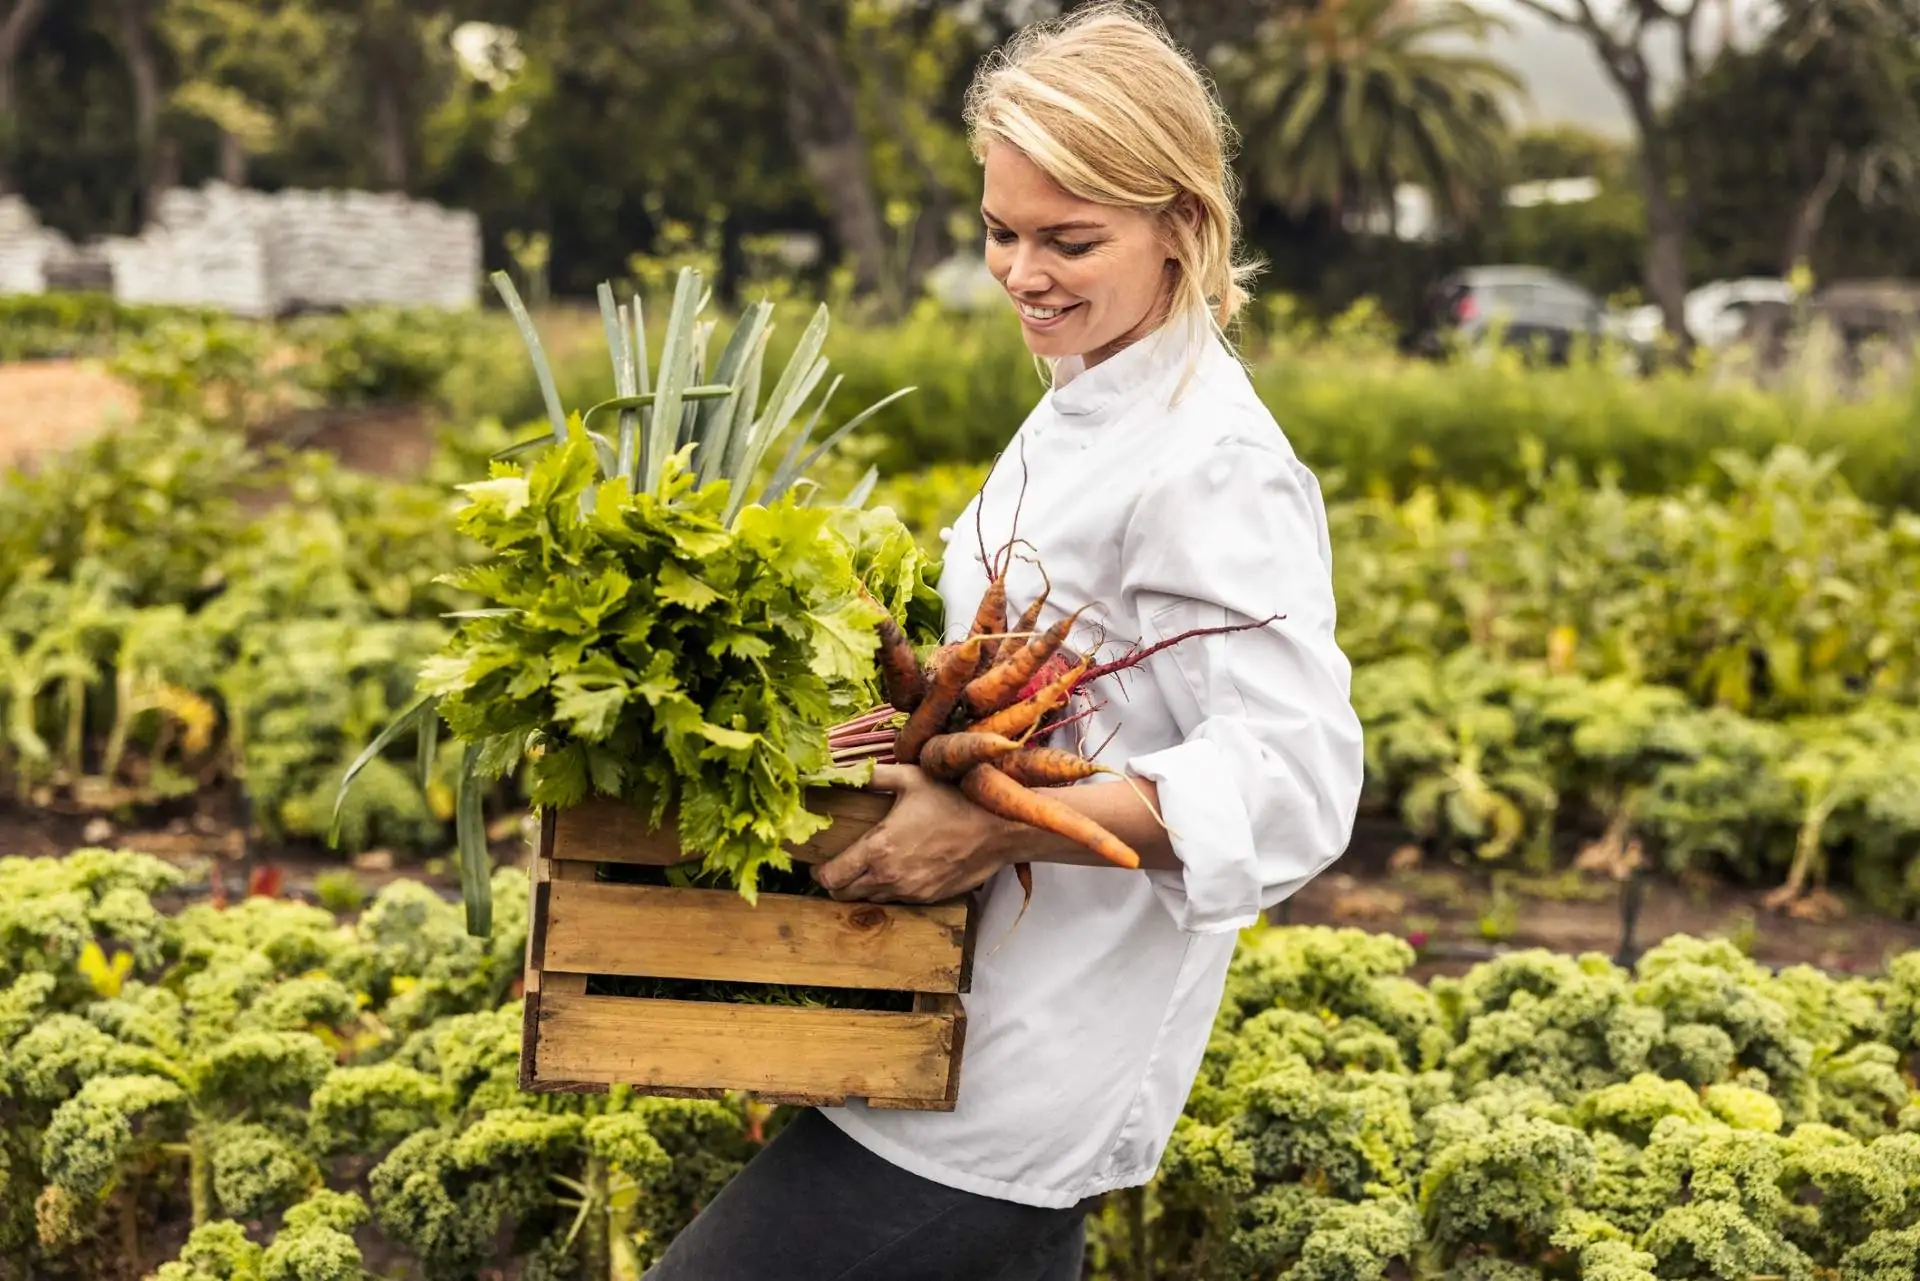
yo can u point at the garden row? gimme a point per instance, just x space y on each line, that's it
309 1098
1773 590
1730 681
313 1099
1350 406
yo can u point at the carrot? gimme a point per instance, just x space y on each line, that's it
1022 872
900 673
1048 767
943 693
1026 713
1003 682
948 756
1028 620
997 794
991 617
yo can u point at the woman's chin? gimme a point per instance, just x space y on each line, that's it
1050 344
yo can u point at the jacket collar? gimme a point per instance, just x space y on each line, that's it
1089 397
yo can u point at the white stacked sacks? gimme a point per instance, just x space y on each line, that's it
259 254
27 249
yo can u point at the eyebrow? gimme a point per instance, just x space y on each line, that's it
1076 225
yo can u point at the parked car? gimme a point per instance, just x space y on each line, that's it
1717 314
1531 308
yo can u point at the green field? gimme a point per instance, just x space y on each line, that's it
1587 611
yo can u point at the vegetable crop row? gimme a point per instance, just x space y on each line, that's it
1775 591
313 1097
1513 761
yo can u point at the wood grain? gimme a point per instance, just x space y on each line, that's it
599 830
552 978
763 1049
943 1004
657 932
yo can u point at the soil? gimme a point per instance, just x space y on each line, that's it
1455 915
57 404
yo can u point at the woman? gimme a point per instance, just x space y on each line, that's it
1160 493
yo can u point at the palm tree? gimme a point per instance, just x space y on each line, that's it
1342 101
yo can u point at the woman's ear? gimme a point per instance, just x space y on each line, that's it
1184 208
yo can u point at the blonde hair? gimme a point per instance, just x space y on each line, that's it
1108 106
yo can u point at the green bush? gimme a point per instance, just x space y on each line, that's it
1542 1115
1773 590
1398 424
295 1095
67 325
212 1079
156 639
384 354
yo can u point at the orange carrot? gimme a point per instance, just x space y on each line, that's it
1023 872
1048 767
900 673
1028 621
994 792
991 617
948 756
1001 685
1025 714
930 717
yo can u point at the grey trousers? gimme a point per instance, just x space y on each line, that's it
814 1205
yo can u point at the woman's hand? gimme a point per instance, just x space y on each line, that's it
933 844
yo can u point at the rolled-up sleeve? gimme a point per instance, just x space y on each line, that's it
1260 793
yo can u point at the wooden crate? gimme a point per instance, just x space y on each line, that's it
582 926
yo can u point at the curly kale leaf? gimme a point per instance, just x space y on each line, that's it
316 1241
216 1251
372 1108
1711 1240
256 1171
93 1132
1509 1186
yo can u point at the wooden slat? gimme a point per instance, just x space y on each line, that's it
656 932
943 1004
758 1048
554 978
606 831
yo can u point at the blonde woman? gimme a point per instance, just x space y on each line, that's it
1160 492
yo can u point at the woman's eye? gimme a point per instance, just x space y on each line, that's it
1075 250
1000 235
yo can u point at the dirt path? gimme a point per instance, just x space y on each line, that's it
57 404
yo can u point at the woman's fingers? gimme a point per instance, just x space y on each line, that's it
893 778
839 873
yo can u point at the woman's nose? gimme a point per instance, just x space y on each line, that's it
1024 274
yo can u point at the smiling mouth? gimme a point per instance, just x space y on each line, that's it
1032 312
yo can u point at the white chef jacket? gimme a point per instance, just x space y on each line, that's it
1086 1025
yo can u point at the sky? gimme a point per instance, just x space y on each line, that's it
1565 82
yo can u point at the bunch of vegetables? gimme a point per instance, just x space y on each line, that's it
645 632
979 713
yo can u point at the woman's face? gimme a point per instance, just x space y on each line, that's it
1085 278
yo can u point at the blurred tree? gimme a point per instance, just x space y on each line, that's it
254 70
1342 103
1621 39
809 41
17 22
1561 151
391 75
1825 106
